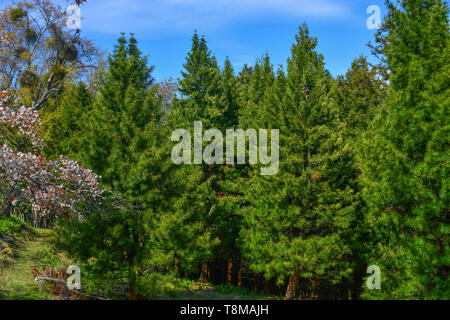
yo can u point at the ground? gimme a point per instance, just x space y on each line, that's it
16 279
214 294
37 249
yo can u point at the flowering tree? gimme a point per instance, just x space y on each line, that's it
52 188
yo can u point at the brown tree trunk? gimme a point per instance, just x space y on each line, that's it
132 293
240 275
230 271
292 285
132 283
204 275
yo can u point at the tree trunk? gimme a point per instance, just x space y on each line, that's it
240 275
230 271
132 283
292 285
204 275
132 292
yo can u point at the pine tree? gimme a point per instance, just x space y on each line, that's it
64 125
297 219
228 182
200 87
123 143
229 89
252 92
358 95
191 227
405 155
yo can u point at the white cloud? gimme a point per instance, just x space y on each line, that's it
292 7
113 16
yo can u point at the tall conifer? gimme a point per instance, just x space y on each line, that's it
405 155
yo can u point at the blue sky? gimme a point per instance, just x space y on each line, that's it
243 30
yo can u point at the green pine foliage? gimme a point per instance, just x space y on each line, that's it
363 176
405 155
191 228
358 95
64 125
253 90
298 219
123 142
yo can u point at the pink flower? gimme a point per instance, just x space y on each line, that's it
51 187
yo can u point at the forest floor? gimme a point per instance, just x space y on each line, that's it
16 280
36 249
216 294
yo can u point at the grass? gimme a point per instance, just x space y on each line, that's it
240 291
194 290
30 247
16 279
213 294
14 227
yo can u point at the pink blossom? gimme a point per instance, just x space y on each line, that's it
51 187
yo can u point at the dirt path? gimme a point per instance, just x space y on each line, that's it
16 280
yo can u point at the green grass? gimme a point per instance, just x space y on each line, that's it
229 289
13 227
16 279
195 290
36 248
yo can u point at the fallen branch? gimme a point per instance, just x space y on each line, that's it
96 297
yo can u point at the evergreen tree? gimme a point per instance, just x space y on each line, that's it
64 125
405 155
253 90
191 227
123 143
200 87
229 90
296 224
358 95
363 176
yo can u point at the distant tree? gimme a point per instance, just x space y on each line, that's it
359 95
200 87
230 102
255 83
168 90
